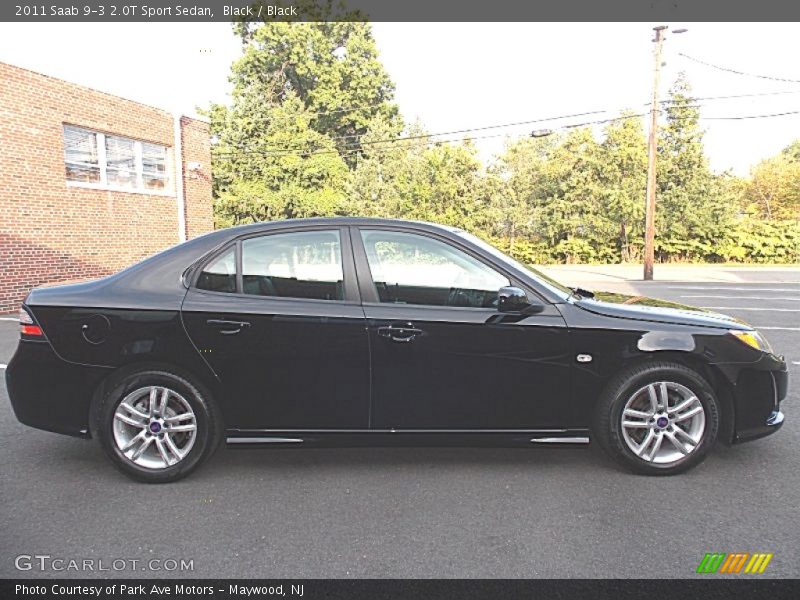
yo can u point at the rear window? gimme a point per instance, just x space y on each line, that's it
304 265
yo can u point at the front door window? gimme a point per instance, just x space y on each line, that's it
409 268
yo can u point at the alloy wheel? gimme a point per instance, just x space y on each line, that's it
663 422
154 427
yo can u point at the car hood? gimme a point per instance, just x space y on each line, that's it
653 309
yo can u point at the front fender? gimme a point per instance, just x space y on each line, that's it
613 344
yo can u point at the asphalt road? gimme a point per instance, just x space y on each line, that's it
395 512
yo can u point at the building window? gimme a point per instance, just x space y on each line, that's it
121 168
114 162
154 167
80 155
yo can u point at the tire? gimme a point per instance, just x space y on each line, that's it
635 391
137 406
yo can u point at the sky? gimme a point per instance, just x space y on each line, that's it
453 76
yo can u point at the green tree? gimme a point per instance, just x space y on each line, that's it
622 180
261 186
332 67
515 185
385 170
773 191
792 151
567 197
303 95
569 202
693 206
415 178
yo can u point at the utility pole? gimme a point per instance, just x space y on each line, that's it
652 151
650 205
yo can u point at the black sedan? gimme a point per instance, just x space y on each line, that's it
365 331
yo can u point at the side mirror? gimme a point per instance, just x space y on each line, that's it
514 300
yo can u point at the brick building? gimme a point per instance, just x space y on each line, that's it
89 182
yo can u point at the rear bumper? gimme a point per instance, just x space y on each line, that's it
758 396
49 393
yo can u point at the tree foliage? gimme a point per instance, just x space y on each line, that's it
773 192
693 206
332 67
312 130
267 185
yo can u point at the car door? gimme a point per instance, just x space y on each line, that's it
443 357
278 319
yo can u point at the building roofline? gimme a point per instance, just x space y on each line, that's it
166 111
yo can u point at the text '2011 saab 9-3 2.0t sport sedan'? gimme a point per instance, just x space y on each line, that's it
366 331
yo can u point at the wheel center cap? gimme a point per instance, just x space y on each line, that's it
155 427
661 422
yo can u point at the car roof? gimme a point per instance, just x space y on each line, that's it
333 222
158 281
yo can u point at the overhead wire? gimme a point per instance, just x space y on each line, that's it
357 136
395 143
736 71
430 135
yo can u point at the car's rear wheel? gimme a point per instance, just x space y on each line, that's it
659 418
157 426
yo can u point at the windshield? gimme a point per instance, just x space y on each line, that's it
543 279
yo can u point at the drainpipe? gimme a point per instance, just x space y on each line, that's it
178 160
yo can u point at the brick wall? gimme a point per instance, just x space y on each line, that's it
51 232
197 182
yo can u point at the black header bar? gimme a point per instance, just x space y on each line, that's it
181 11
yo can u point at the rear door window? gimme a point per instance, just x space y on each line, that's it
304 264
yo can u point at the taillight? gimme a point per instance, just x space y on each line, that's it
27 325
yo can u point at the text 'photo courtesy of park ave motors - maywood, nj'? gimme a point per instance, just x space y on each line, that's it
158 590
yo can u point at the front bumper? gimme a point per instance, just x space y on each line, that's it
758 396
770 426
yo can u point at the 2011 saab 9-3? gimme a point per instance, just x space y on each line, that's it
365 331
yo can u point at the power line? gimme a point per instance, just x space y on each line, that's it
740 118
287 150
355 147
324 113
430 135
728 70
424 136
357 136
409 143
728 118
391 144
728 97
380 151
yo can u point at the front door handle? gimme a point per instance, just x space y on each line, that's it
228 327
399 332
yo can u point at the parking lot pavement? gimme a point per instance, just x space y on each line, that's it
397 512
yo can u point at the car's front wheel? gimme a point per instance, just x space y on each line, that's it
156 426
659 418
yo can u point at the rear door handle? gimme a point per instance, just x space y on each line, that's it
228 327
400 332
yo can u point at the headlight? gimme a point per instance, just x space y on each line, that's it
752 338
